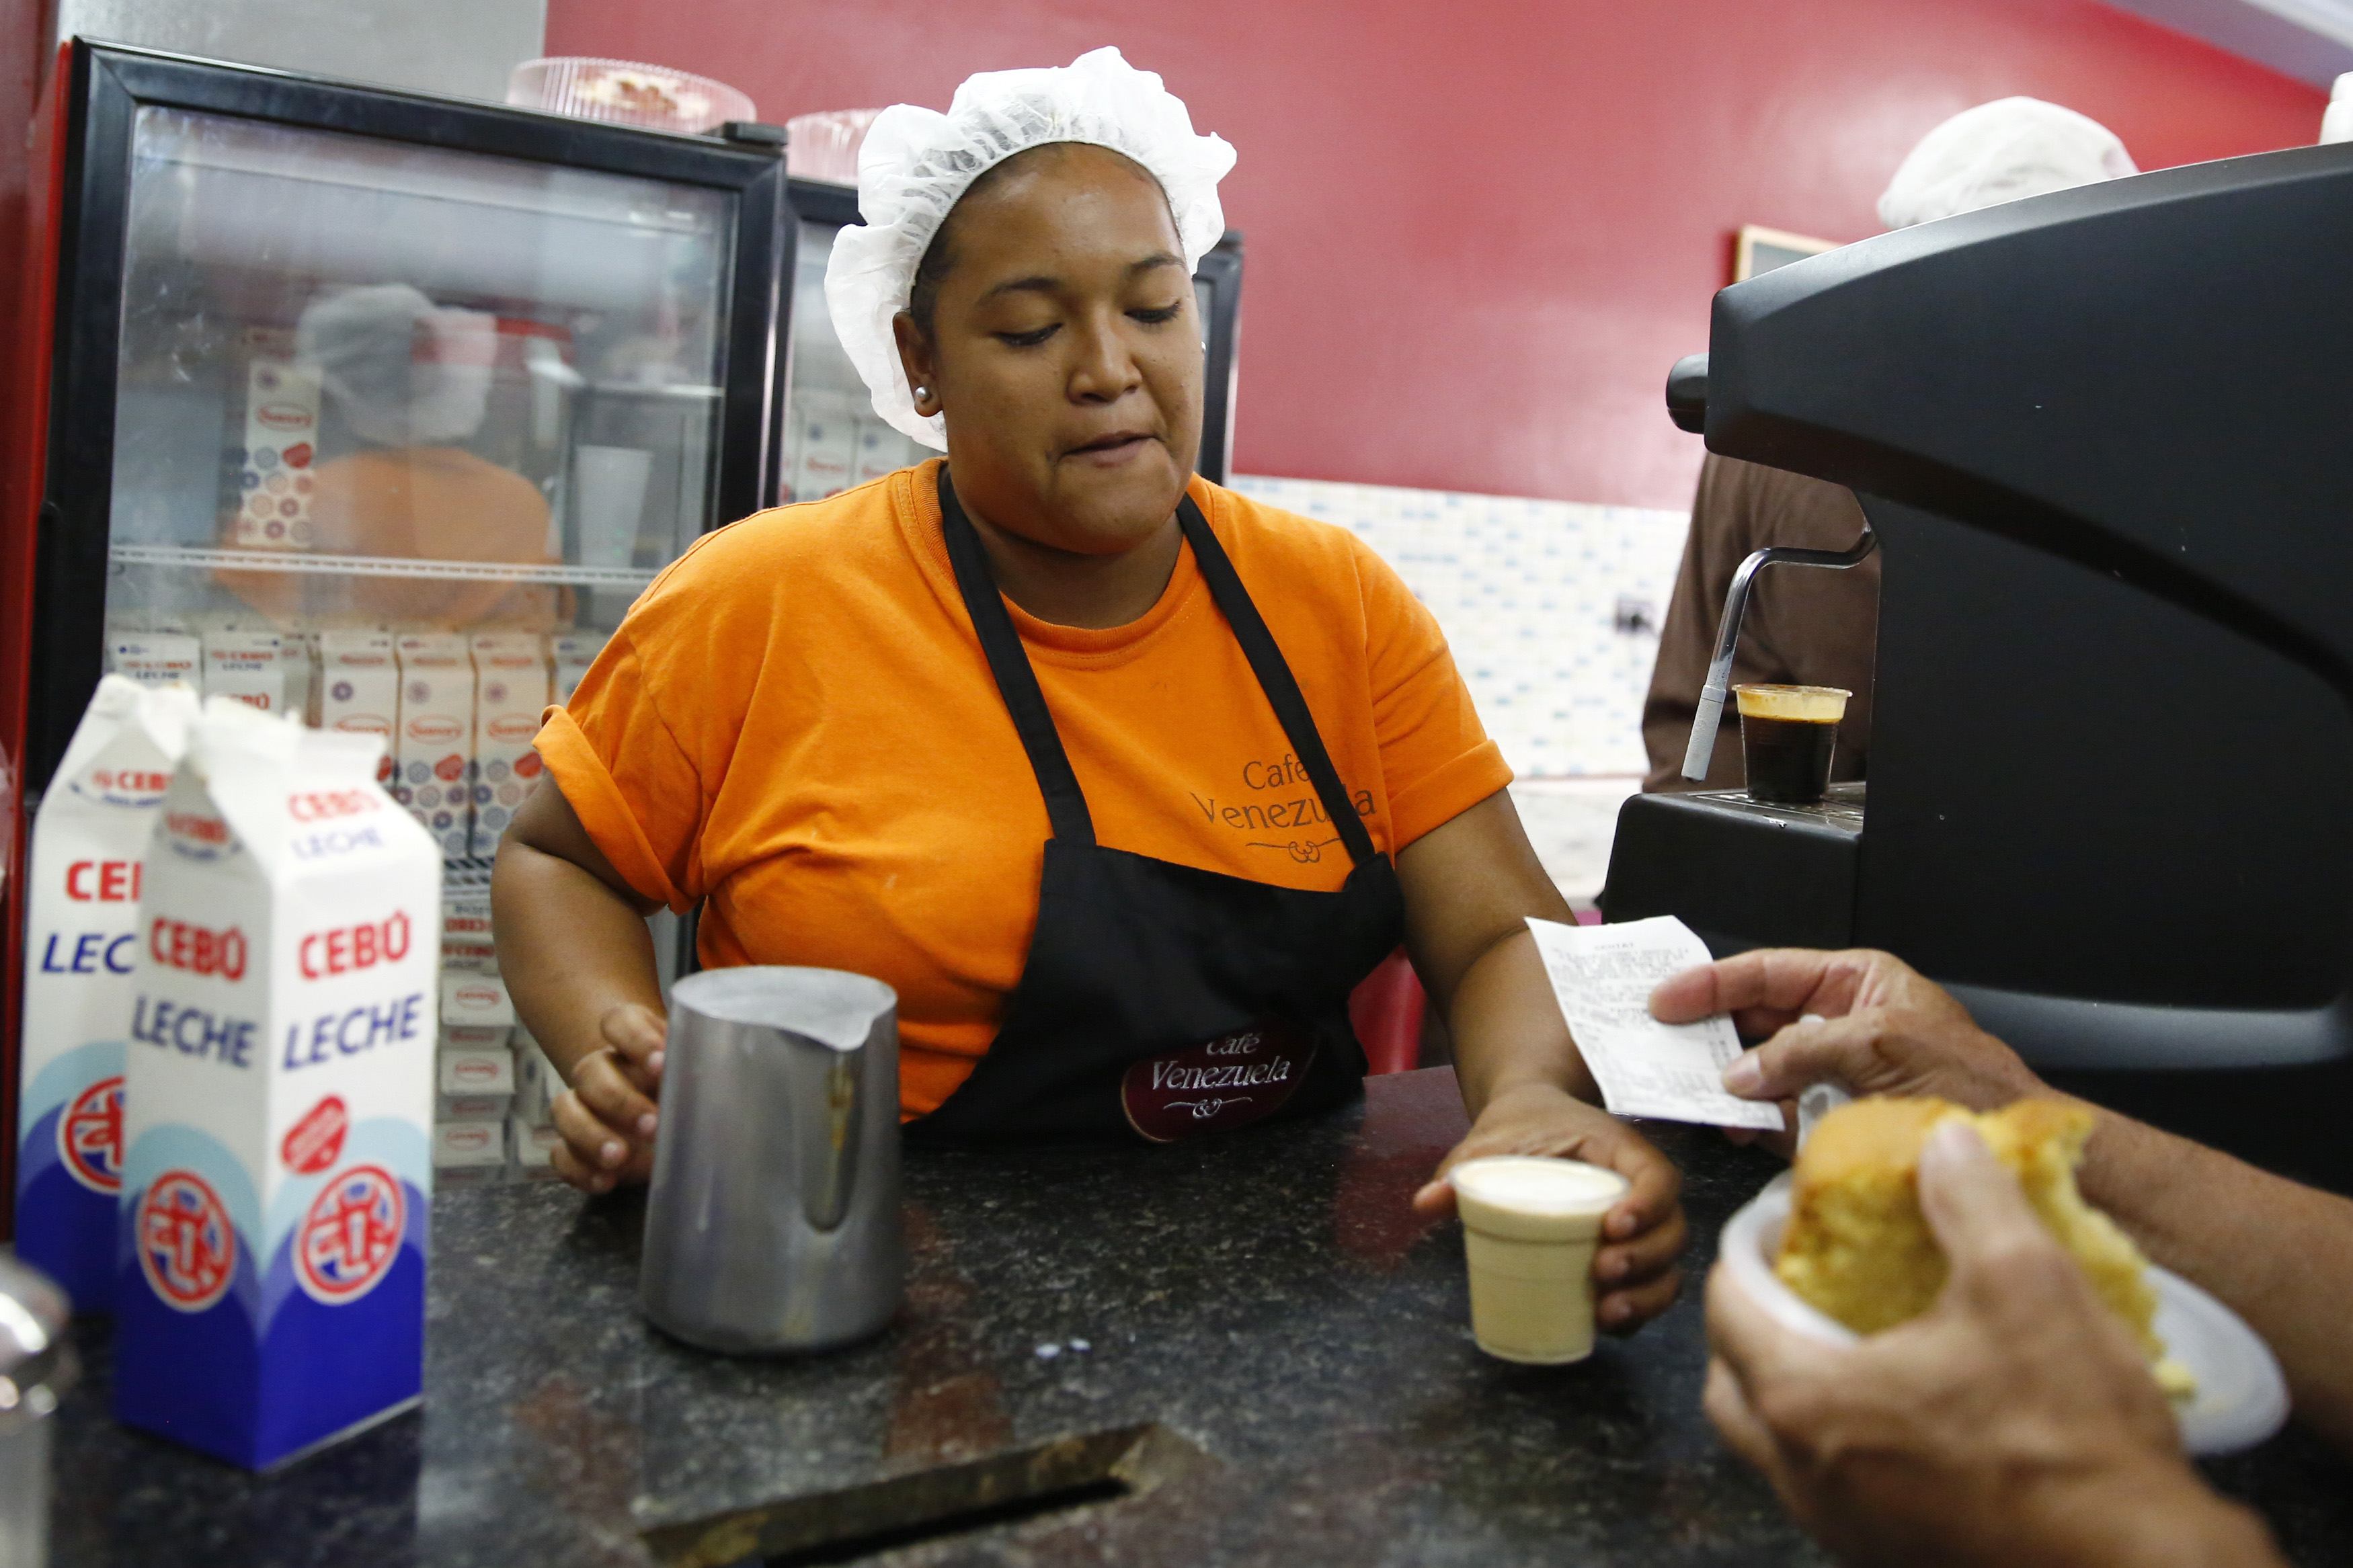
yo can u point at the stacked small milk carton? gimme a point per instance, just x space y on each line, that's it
282 435
433 755
80 943
476 1077
156 658
357 691
512 688
531 1126
277 1098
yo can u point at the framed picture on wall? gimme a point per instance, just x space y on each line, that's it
1761 250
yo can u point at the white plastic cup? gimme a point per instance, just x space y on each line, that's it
608 501
1530 1227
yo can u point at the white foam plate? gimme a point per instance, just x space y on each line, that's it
2241 1398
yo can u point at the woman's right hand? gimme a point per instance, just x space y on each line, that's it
608 1117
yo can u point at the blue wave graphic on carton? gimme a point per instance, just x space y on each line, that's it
64 1224
389 1144
267 1371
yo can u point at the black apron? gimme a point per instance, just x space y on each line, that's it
1161 1000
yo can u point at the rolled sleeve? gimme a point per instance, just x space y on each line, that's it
636 790
595 798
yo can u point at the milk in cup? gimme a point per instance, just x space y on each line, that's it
81 941
511 672
1530 1227
269 1286
433 756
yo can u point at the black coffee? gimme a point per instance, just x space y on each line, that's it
1789 759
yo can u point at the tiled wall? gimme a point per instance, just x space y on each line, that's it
1529 593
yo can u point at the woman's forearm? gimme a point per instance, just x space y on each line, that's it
1507 1027
570 949
2280 1253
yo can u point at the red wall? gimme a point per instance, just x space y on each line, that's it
1478 232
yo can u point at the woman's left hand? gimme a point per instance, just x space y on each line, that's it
1634 1273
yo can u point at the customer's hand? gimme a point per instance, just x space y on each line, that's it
1866 1021
608 1117
2013 1423
1634 1275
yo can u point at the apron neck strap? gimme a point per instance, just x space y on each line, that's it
1017 682
1274 677
1066 803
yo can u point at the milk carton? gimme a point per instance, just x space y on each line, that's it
467 944
80 938
466 1153
574 652
880 451
157 658
475 1013
281 436
298 662
245 664
270 1285
533 1146
512 690
359 686
825 444
433 752
536 1082
465 1071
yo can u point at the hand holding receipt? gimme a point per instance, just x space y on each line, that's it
1602 977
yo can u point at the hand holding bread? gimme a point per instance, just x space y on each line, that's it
2012 1420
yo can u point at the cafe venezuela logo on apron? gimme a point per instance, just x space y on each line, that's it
1228 1082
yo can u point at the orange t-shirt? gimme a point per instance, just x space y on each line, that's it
796 723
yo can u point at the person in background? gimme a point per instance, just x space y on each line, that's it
1808 628
2015 1422
405 384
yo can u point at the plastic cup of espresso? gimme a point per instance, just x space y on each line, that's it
1530 1227
1786 736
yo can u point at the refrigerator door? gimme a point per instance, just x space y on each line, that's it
832 439
334 360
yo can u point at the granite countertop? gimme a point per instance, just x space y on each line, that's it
1240 1350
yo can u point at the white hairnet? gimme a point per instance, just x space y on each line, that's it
393 388
916 162
1997 152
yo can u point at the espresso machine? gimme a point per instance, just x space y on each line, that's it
2105 439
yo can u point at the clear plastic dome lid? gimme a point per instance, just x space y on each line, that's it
626 92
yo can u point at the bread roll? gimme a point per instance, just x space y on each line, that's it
1857 1247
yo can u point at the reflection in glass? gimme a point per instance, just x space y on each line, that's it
374 373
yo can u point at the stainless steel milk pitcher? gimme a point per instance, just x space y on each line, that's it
774 1220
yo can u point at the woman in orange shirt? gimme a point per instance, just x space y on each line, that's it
1121 780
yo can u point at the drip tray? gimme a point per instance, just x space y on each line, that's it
855 1523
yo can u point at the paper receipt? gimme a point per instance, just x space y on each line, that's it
1603 977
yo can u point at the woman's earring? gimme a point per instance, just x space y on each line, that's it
922 393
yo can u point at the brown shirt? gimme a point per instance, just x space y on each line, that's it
1805 626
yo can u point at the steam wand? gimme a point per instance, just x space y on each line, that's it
1710 717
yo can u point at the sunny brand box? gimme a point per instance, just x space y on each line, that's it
270 1288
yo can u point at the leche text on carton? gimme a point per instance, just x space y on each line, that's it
270 1285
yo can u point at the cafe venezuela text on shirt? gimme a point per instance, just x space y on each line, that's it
796 724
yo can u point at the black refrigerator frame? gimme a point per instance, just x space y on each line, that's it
110 83
1221 273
